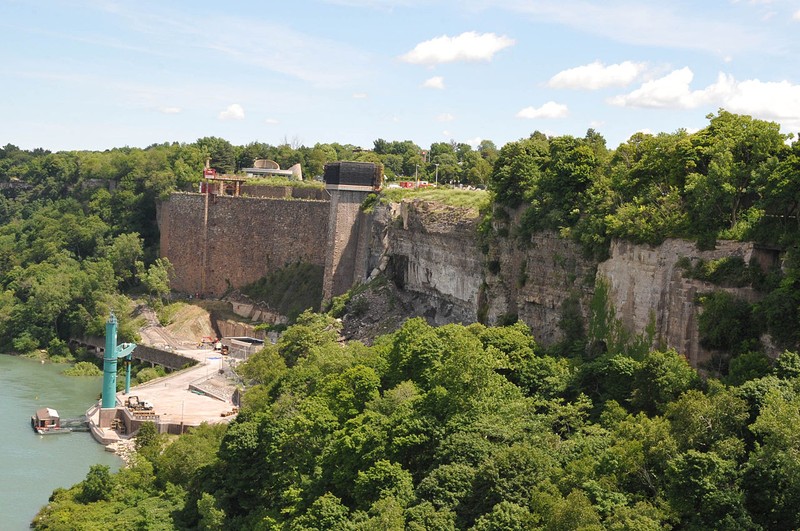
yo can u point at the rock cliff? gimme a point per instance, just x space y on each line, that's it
434 253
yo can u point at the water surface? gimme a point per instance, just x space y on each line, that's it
32 465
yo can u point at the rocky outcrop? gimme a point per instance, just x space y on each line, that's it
646 284
434 255
429 250
534 281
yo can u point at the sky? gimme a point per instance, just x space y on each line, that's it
99 74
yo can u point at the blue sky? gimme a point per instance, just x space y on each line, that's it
98 74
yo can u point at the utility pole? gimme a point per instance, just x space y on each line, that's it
437 173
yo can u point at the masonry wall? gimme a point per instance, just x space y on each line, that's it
221 242
346 243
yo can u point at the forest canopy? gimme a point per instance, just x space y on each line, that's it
465 427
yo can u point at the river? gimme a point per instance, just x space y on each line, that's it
31 465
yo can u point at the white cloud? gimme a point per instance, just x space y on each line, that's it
550 109
596 75
271 121
360 96
768 100
469 46
170 110
670 91
436 82
474 142
233 112
796 15
445 117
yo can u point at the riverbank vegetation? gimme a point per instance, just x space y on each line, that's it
466 427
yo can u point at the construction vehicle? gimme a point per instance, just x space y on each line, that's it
134 404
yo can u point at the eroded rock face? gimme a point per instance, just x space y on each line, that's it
536 280
646 283
432 250
433 253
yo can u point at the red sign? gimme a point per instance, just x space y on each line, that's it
209 173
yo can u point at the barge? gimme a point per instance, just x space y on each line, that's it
47 422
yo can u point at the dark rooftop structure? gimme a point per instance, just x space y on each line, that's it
353 176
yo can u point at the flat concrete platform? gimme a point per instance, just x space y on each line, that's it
176 405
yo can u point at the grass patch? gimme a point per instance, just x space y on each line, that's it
476 199
284 181
166 314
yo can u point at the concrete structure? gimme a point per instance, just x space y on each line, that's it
270 168
349 183
345 259
181 400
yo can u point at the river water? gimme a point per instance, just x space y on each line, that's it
32 465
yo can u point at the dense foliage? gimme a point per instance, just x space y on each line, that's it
466 427
735 179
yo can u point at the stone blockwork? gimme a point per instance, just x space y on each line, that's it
218 242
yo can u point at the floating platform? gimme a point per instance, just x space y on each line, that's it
47 422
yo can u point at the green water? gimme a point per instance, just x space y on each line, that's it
32 465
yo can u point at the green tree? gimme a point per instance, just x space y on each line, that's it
156 279
98 484
662 377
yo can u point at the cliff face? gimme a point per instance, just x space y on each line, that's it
440 266
645 282
431 250
434 253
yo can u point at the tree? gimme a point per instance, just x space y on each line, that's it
327 512
662 377
98 484
180 460
705 489
211 517
156 279
124 252
384 479
731 153
506 516
220 151
518 169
